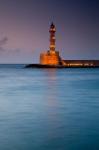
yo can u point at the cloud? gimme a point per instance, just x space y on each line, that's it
3 41
1 49
4 50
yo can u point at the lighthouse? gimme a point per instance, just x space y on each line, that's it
52 38
51 56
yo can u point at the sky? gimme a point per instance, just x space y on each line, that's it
24 29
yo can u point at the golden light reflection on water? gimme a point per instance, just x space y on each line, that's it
52 102
51 83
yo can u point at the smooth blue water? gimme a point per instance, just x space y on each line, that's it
49 109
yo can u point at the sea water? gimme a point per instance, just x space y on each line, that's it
49 109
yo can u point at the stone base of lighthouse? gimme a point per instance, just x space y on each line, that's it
50 58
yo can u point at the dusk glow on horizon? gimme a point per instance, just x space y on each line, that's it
24 29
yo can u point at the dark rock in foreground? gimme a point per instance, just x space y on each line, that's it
43 66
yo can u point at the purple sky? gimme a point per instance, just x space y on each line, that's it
24 26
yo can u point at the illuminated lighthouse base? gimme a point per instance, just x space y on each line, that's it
51 57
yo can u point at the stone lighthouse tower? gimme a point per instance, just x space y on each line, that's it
51 57
52 38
